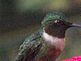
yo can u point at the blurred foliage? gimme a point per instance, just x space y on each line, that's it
19 18
32 5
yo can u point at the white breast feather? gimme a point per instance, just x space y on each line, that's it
55 41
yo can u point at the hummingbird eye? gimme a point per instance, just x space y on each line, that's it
56 21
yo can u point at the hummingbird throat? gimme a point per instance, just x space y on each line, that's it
58 43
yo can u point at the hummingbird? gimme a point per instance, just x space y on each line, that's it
47 43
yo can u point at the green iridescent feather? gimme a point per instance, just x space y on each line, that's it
35 43
53 16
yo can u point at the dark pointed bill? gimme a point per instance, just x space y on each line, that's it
76 25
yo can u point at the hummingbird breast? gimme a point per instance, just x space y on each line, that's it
55 47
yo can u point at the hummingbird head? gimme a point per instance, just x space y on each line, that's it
51 17
55 24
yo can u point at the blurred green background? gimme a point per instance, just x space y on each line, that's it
19 18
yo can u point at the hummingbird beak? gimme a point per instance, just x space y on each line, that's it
76 25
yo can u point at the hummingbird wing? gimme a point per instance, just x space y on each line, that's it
30 48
